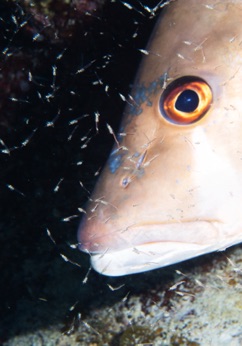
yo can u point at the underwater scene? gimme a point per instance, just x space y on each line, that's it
120 173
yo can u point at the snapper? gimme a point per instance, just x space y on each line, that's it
172 187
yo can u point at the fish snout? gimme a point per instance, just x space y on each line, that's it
98 236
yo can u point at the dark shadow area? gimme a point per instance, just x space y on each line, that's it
54 78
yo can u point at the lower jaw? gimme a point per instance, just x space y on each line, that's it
183 241
145 257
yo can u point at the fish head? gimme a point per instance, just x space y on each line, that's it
172 186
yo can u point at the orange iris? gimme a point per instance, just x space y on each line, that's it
186 100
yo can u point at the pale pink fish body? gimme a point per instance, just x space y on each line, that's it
172 189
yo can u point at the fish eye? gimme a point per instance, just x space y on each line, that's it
186 100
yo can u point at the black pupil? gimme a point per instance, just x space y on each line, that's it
187 101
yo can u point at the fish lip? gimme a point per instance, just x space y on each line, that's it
145 256
141 259
213 224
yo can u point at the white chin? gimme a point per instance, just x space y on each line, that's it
148 256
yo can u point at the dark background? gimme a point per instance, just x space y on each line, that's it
41 52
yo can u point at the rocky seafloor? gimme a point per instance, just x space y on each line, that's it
194 303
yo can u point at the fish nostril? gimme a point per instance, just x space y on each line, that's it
186 100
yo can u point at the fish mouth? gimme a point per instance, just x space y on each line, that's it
160 245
